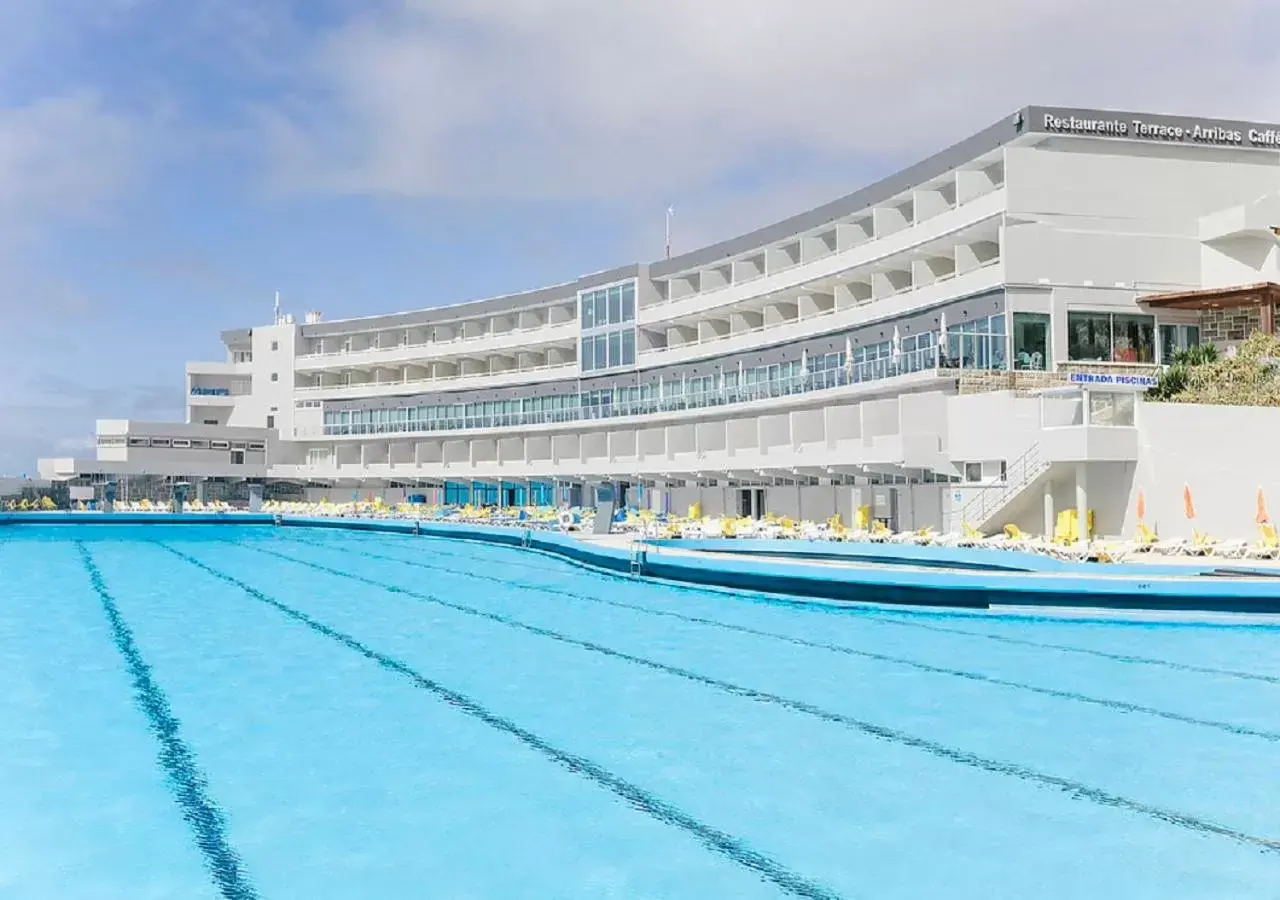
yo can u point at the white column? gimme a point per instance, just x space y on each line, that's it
1048 509
1082 499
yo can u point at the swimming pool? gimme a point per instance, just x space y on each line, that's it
236 711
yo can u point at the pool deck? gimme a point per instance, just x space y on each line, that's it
892 574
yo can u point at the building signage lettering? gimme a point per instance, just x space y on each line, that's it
1109 379
1194 133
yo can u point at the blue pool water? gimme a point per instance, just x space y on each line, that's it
256 712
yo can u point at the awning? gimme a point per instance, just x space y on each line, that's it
1261 293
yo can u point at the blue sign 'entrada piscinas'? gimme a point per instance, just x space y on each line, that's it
1107 378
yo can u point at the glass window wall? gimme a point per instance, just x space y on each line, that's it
1032 341
1109 337
980 344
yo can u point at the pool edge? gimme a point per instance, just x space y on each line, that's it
1050 587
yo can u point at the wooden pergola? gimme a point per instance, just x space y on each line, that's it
1263 294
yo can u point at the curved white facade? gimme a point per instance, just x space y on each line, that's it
853 344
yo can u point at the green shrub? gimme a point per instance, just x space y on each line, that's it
1203 375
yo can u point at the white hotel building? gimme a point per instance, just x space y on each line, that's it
912 346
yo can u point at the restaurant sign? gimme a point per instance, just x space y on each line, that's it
1172 131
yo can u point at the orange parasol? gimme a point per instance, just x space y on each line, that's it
1188 506
1262 518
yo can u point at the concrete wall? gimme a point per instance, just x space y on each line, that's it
1089 212
1223 453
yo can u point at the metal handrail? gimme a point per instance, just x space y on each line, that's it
1018 474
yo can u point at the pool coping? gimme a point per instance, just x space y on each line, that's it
906 575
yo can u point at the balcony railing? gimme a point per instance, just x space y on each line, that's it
655 398
459 339
655 352
427 383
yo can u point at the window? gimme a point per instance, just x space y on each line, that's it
979 344
973 471
628 347
586 356
615 348
1177 337
271 421
1114 410
275 376
275 345
1133 339
1089 337
210 421
237 457
1031 341
601 351
1104 337
629 301
615 305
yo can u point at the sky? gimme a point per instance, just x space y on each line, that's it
167 165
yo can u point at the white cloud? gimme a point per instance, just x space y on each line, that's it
637 100
61 157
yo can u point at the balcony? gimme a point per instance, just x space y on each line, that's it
516 338
530 374
821 321
224 369
911 369
794 275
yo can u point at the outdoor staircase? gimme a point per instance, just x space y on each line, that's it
994 501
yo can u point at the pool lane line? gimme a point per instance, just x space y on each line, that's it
1115 705
187 783
1076 789
722 843
874 615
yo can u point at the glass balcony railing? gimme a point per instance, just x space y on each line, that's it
725 389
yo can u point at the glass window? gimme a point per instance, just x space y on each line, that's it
615 348
601 352
615 305
1177 337
1133 339
587 355
628 348
629 301
1031 341
1089 336
588 311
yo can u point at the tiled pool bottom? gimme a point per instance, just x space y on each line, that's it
242 712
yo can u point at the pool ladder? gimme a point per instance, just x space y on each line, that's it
638 551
